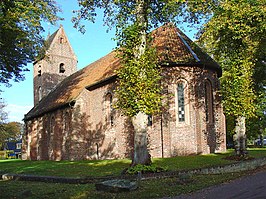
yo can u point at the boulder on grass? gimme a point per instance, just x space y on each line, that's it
116 186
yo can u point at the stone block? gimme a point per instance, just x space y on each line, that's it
116 186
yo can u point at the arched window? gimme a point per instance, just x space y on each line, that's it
149 120
40 93
109 109
181 101
62 68
208 101
51 137
52 124
61 40
67 122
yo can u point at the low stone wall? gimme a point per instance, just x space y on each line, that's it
235 167
52 179
230 168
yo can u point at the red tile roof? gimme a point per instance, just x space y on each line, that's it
173 47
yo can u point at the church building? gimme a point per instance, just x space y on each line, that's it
73 116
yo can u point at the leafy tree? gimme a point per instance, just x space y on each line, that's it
138 91
3 118
3 113
235 35
20 34
11 132
8 131
256 126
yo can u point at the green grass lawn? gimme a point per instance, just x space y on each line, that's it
147 189
155 188
64 168
92 168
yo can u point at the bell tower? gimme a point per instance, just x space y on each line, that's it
59 61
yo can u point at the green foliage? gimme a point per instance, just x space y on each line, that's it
121 13
257 125
10 132
145 169
236 36
14 130
237 87
3 113
3 118
20 34
139 88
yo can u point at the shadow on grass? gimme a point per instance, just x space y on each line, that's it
65 168
90 168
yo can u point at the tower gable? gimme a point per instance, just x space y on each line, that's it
58 63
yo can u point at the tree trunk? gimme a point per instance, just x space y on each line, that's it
141 20
140 121
240 136
141 154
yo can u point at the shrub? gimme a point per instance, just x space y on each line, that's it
145 169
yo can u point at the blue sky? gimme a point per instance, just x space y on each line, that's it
94 44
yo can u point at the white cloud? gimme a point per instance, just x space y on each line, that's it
16 112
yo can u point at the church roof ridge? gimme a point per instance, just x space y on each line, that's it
172 45
189 48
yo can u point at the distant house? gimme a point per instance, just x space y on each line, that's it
14 146
73 117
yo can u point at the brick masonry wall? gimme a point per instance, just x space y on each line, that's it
111 139
85 131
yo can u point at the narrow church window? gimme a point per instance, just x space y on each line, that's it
40 93
62 68
61 40
97 150
181 102
52 124
149 120
67 122
109 108
51 136
208 101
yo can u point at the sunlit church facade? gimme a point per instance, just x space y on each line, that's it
73 116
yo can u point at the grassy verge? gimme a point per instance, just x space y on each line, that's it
155 188
113 167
